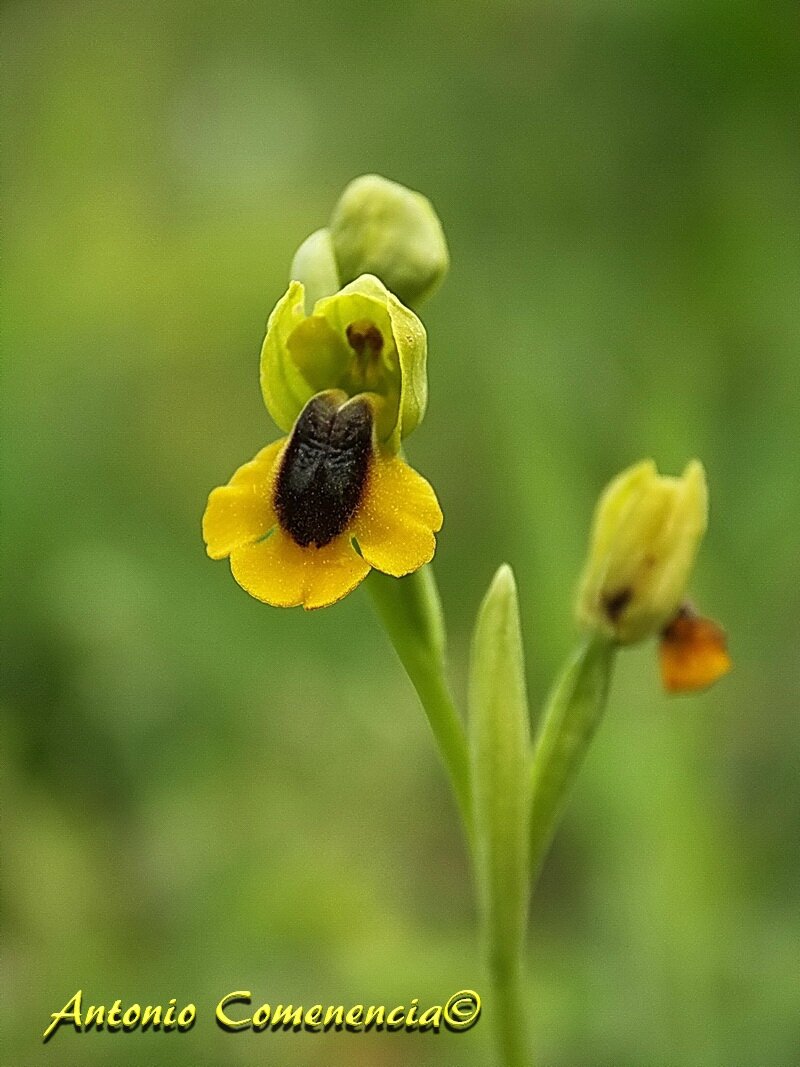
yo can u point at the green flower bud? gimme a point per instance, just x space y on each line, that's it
646 532
379 227
360 340
314 265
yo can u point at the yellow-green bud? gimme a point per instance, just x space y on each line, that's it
360 340
314 265
646 532
379 227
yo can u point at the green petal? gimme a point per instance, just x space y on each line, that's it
412 346
404 384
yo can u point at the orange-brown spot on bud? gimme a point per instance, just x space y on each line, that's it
615 604
364 338
693 653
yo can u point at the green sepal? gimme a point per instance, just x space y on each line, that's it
283 386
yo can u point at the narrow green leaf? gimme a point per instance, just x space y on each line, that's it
499 745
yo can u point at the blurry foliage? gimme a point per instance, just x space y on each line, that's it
202 794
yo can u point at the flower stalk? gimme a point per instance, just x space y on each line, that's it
568 724
410 611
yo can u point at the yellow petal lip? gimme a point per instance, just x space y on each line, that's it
392 529
397 519
242 511
281 573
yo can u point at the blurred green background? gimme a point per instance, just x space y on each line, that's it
203 794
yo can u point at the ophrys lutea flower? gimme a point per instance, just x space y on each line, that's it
306 519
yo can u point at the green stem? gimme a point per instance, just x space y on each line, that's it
568 723
511 1022
410 611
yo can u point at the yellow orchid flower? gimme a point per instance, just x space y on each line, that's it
305 520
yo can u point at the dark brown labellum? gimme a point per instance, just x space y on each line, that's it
324 470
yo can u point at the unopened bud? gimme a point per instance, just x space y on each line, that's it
646 532
379 227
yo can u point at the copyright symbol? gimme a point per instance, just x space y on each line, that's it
462 1010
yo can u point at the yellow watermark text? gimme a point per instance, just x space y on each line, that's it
235 1013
